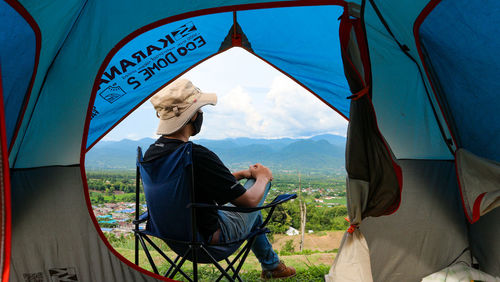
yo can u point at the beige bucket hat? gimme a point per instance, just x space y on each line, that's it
177 103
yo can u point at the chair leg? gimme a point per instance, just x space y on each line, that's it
195 262
219 267
242 260
172 263
172 266
148 255
230 266
136 251
178 266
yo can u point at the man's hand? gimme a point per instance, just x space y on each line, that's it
260 171
254 194
243 174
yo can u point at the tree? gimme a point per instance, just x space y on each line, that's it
303 218
99 198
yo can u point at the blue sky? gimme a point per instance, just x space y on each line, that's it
254 100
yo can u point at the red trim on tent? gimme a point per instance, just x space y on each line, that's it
345 34
101 234
365 57
363 49
145 99
38 38
6 208
396 167
467 215
128 38
416 27
299 83
156 24
346 26
418 22
237 39
476 209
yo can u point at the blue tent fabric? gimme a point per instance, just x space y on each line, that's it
404 114
152 59
87 32
274 35
462 51
87 43
17 55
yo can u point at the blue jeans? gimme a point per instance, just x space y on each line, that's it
235 226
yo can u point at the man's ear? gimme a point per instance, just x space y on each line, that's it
193 117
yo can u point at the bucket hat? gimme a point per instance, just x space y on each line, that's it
177 103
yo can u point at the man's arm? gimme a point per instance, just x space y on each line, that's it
252 196
242 174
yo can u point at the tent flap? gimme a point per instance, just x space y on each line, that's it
479 184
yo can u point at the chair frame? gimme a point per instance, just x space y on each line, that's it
195 246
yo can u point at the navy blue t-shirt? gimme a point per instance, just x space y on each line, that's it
213 182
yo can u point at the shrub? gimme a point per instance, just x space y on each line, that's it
288 247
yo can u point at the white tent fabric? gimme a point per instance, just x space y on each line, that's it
55 233
460 273
353 262
479 180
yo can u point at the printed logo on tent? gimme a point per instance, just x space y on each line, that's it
183 31
142 66
33 277
111 94
134 68
63 274
95 112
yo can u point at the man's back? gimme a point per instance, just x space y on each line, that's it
214 183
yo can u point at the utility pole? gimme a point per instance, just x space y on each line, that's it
303 212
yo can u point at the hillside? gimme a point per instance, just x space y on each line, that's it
318 154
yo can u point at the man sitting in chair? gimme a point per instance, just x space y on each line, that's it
178 107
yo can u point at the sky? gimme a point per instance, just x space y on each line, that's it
254 100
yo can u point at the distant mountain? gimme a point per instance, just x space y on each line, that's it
318 154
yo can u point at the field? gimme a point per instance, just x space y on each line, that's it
112 196
311 264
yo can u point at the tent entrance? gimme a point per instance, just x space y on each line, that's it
291 39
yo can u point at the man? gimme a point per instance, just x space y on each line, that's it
178 108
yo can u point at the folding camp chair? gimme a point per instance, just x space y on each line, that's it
169 189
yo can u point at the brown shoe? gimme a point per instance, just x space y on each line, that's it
281 271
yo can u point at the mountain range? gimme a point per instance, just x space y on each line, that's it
318 154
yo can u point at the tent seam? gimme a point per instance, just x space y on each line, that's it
448 141
38 42
148 27
34 107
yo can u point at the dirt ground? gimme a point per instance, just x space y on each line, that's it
323 241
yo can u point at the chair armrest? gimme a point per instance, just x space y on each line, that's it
142 218
277 201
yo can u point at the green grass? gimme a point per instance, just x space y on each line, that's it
341 201
307 263
309 271
314 273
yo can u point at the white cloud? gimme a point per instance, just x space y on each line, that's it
254 100
286 110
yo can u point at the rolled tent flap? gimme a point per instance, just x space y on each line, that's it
373 178
353 263
479 180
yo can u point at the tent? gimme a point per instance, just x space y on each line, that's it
416 79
